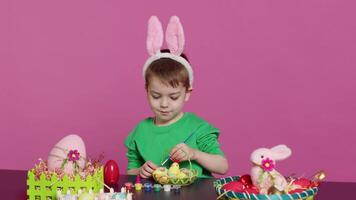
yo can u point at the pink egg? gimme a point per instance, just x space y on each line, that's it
72 148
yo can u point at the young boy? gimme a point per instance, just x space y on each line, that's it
171 132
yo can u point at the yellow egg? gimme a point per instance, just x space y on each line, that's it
163 180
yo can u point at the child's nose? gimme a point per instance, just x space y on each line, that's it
164 103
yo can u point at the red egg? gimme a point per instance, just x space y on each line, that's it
254 187
303 182
246 180
111 173
235 186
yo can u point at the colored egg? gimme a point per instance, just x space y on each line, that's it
235 186
70 148
246 180
303 182
111 172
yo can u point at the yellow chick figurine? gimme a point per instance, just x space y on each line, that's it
174 170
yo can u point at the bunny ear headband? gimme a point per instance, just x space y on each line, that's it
174 39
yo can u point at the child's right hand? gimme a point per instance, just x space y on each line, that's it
147 169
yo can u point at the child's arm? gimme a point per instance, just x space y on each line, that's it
145 171
212 162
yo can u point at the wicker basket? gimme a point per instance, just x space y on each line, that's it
44 189
191 175
305 195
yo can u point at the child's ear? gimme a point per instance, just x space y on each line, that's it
187 93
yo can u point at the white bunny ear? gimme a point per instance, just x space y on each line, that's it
280 152
154 36
175 36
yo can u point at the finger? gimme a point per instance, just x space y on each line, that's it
174 158
187 151
177 147
152 165
179 155
148 169
145 174
177 150
182 156
176 155
142 174
173 151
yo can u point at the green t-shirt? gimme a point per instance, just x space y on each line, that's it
150 142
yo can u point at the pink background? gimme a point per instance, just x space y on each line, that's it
267 72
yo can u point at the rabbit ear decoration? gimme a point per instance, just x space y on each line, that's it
175 42
281 152
175 36
154 36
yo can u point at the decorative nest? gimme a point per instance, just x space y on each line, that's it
307 194
182 177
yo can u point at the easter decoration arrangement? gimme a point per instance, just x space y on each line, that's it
265 182
174 175
67 170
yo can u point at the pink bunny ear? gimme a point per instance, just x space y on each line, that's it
281 152
175 36
154 36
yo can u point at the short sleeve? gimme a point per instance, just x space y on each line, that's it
207 140
133 156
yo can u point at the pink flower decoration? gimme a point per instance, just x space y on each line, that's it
73 155
267 165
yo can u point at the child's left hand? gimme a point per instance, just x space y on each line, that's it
182 152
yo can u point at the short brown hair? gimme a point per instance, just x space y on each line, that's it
169 71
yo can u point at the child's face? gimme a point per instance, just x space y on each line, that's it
166 101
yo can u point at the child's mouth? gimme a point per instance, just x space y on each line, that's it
164 112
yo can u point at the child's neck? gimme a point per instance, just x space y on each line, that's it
180 115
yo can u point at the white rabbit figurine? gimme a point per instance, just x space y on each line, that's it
263 174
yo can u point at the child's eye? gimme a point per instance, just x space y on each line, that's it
155 97
175 98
